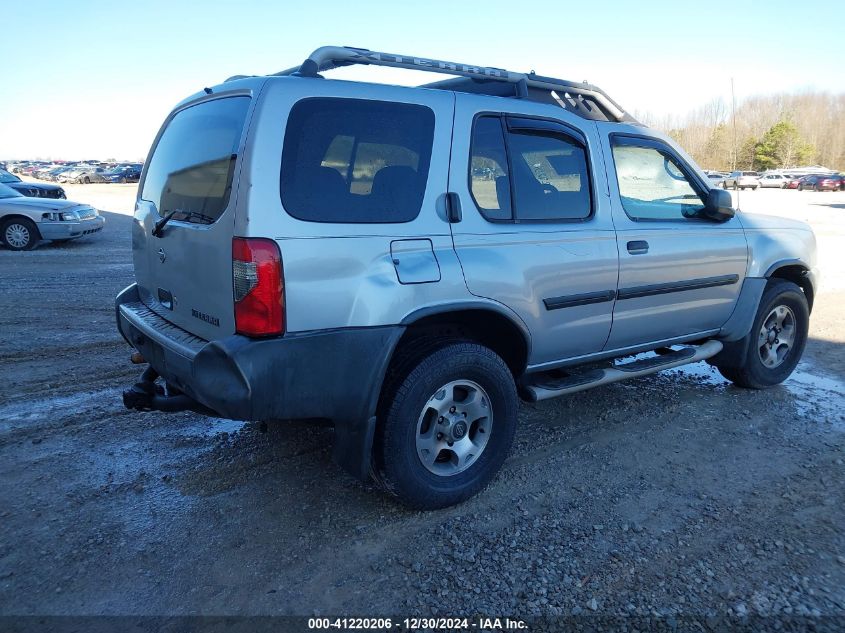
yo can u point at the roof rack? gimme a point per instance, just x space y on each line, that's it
583 99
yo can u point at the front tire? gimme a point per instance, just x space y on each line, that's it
19 234
446 424
776 340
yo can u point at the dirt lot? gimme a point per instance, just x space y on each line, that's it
672 495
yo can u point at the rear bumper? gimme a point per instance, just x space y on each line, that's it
70 230
334 374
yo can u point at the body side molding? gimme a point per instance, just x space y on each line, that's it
676 286
570 301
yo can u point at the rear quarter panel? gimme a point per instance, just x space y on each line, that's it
342 275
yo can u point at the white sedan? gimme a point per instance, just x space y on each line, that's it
778 181
25 221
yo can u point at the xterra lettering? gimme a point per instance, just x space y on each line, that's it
202 316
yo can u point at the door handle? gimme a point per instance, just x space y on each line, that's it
638 247
453 208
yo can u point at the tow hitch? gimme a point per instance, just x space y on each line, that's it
146 395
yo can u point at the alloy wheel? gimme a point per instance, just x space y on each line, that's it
454 427
777 336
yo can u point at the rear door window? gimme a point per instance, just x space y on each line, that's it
489 179
190 172
356 160
528 174
549 177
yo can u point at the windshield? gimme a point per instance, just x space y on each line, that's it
7 177
8 192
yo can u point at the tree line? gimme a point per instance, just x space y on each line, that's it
765 132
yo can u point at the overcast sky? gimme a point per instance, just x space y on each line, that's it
93 79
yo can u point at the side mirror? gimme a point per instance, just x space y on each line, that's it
719 206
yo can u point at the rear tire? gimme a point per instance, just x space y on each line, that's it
776 340
423 410
19 234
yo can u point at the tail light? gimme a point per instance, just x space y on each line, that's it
259 287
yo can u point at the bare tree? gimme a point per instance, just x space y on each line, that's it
819 118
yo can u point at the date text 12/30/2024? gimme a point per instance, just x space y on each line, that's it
417 624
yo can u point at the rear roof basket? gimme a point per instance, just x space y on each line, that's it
583 99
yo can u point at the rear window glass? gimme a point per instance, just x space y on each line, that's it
191 169
489 179
549 177
355 160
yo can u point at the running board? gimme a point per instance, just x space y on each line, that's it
543 390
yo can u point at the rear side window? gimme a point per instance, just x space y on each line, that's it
528 174
550 177
489 178
190 172
355 160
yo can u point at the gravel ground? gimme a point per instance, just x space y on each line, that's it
674 495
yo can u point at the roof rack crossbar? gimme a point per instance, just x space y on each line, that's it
329 57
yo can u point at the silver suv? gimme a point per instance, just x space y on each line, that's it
742 180
409 262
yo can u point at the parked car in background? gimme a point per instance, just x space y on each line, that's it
778 181
40 168
793 182
717 179
24 221
67 174
123 174
91 174
742 180
41 171
820 182
30 189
